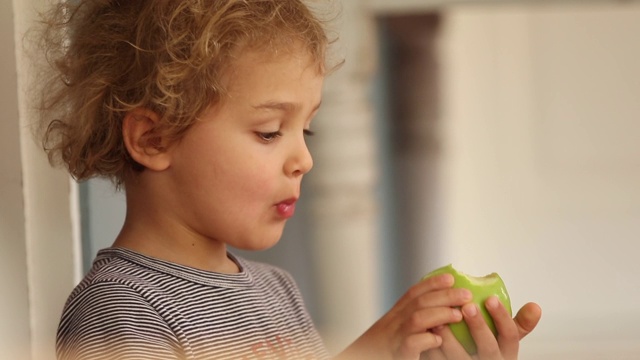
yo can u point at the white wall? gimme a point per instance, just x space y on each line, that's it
543 166
38 253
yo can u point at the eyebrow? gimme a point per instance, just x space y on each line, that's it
282 106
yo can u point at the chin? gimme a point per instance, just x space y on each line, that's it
264 242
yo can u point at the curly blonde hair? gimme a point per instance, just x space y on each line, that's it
112 56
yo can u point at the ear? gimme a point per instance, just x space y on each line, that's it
145 146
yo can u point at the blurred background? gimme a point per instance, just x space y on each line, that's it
494 135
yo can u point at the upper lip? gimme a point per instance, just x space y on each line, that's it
289 201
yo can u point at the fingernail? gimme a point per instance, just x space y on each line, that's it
492 302
448 279
470 310
457 314
467 295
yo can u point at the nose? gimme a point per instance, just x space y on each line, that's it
299 161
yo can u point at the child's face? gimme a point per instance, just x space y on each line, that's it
236 174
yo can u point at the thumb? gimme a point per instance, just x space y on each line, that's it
527 318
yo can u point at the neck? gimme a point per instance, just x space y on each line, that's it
192 254
152 231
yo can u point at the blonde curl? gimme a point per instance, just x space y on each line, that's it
108 57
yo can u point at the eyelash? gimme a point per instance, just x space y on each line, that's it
269 137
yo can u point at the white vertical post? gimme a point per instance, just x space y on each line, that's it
15 334
342 189
48 242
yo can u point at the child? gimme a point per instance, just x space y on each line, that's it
198 110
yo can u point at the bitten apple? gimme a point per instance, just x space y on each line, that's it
482 288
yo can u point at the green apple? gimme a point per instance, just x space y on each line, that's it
482 288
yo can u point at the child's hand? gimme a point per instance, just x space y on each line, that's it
510 332
403 332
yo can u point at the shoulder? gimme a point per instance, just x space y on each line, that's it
112 305
111 278
107 294
114 290
107 313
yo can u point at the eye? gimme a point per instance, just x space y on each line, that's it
268 137
308 132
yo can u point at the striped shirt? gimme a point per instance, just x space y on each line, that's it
130 306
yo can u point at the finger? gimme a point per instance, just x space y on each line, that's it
508 338
429 318
416 344
415 300
415 296
428 285
445 297
486 342
527 318
433 354
451 347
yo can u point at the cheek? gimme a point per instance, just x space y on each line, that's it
229 168
244 175
255 180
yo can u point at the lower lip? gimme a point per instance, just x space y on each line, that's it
286 209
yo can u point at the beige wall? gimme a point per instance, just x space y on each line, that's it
543 166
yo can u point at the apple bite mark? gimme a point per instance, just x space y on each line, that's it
482 287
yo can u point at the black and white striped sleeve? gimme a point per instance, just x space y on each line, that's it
111 320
